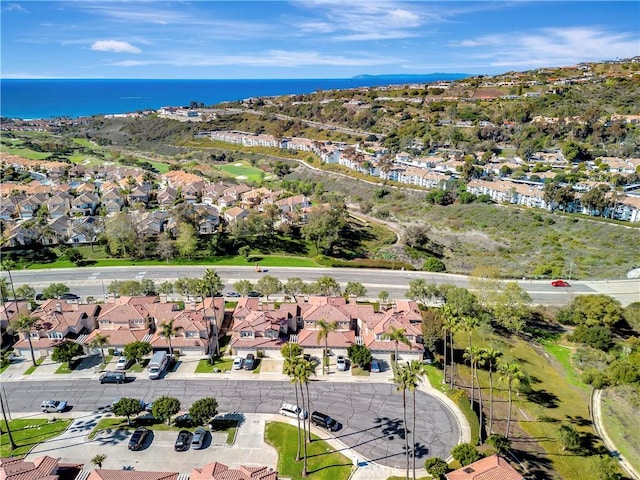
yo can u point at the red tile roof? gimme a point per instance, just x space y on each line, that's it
491 468
41 468
104 474
219 471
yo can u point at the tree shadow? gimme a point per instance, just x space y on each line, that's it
579 420
391 427
543 398
538 466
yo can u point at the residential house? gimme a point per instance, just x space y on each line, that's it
488 468
11 310
234 214
40 468
57 321
192 333
208 219
219 471
123 474
84 204
28 207
167 196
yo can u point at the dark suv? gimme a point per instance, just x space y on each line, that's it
137 439
325 421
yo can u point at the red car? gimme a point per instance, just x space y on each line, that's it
560 283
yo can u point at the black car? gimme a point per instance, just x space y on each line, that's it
325 421
183 420
183 441
254 294
137 439
249 362
69 296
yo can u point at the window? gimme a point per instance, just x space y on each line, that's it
34 335
56 335
246 334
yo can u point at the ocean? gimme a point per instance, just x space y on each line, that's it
31 99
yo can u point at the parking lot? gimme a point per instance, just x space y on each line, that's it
158 452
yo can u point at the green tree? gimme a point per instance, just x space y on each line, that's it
165 288
324 328
167 331
359 355
100 341
65 352
213 282
25 324
402 380
268 285
294 286
489 357
54 290
203 410
433 264
98 460
631 314
290 369
121 236
501 443
513 376
127 407
592 310
137 350
27 292
165 407
510 307
323 227
474 355
356 289
75 256
465 453
396 335
187 240
383 296
289 351
326 286
8 265
243 287
569 437
436 467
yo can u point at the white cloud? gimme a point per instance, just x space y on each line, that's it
114 46
14 7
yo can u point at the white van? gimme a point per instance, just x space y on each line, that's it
294 411
159 362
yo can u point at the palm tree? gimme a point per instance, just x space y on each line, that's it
212 280
12 443
448 323
489 357
414 372
474 354
100 341
402 381
98 459
24 325
452 321
323 333
167 331
512 374
9 265
290 369
396 335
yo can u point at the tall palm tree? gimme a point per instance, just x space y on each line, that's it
447 325
474 355
212 281
396 335
9 265
323 334
414 372
12 443
100 341
452 322
512 374
24 325
290 369
401 381
489 357
167 331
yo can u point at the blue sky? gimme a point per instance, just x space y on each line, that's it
307 38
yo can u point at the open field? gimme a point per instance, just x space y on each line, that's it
245 171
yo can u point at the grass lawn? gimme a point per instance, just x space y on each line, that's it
359 372
27 433
323 463
137 367
563 355
25 152
620 418
222 364
4 367
233 170
32 368
64 368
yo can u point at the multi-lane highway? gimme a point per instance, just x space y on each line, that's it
95 281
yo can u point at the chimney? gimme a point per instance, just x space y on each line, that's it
58 307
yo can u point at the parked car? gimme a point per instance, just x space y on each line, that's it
69 296
137 439
294 411
183 420
123 363
53 406
325 421
375 366
249 362
341 363
233 294
183 441
560 283
113 377
199 437
237 363
254 294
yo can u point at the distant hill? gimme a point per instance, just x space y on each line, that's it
419 77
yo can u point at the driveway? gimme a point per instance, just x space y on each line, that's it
158 453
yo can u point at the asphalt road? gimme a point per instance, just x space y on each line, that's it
371 414
87 281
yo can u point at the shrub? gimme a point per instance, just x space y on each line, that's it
465 453
433 264
436 467
595 378
501 443
595 336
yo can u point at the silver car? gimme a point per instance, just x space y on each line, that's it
199 437
53 406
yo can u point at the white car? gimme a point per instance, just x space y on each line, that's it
123 363
237 363
293 411
341 363
53 406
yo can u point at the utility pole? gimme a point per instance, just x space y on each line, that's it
4 415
